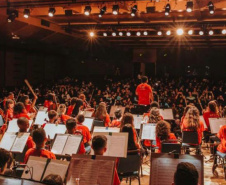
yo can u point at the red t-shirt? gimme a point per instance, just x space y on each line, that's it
143 91
116 178
39 153
170 137
28 107
9 112
64 118
207 115
70 110
222 136
184 127
30 143
21 115
115 123
85 132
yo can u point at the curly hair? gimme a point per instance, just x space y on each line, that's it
163 130
192 117
213 107
187 108
101 111
154 115
127 119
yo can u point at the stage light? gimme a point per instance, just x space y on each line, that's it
102 11
145 33
223 31
180 31
138 34
167 9
105 34
12 15
91 34
168 32
115 9
189 6
87 10
120 33
26 13
211 32
159 33
190 32
133 10
211 7
52 11
201 32
128 34
113 34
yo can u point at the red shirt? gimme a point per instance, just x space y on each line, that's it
115 123
64 118
22 115
70 110
207 115
170 137
39 153
222 136
9 112
85 132
184 126
116 178
30 143
28 107
143 91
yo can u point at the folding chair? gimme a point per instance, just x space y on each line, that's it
190 140
130 167
219 159
98 123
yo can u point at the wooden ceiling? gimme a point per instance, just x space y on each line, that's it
72 30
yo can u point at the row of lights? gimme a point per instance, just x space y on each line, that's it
179 32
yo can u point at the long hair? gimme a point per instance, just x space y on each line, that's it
127 119
192 117
154 115
18 108
61 109
24 98
8 101
213 107
131 143
162 130
101 111
186 109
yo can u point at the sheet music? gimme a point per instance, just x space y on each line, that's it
116 146
42 108
114 108
137 120
148 131
167 114
1 121
41 117
59 144
91 172
37 166
106 129
72 145
160 173
20 142
53 129
88 114
216 124
13 127
89 123
57 167
202 119
8 140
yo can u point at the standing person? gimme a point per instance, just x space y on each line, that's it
144 92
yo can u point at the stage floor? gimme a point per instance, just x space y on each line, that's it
209 179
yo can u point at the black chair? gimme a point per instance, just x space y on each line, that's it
98 123
219 160
190 140
171 147
130 167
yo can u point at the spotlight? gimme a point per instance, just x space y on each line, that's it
115 9
211 32
91 34
87 10
159 33
26 13
52 11
105 34
145 33
189 6
12 15
190 32
113 34
120 33
168 32
211 7
223 31
138 34
102 11
180 31
128 34
167 9
201 32
134 10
